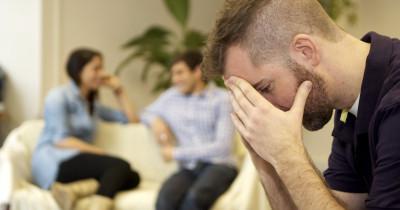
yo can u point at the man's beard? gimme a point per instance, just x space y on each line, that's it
318 110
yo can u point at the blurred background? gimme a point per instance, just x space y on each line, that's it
36 37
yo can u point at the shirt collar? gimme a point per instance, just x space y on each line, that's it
74 88
208 90
354 108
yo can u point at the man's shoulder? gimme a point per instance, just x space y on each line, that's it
170 92
220 92
390 99
390 92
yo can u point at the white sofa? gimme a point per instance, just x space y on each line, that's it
135 144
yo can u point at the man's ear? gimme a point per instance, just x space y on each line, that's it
305 51
197 72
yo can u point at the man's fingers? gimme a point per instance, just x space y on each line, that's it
240 113
301 97
246 144
241 98
247 90
238 124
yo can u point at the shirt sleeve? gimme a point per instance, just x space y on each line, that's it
154 110
341 174
111 115
56 115
385 189
222 144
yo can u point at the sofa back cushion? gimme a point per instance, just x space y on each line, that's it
135 144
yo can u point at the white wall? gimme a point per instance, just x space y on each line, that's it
20 56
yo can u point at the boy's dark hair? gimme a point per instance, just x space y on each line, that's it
192 58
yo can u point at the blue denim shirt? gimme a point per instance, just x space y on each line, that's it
65 114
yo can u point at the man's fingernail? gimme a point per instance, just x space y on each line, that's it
228 82
308 85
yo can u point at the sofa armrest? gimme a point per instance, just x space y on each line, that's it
6 178
15 157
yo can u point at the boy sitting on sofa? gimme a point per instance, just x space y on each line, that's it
197 113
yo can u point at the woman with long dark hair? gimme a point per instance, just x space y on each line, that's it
80 175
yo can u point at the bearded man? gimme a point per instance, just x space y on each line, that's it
287 64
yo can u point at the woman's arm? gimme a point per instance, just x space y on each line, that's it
123 99
75 143
126 105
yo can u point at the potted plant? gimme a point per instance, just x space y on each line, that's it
157 45
339 8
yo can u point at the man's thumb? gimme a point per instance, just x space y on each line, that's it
301 97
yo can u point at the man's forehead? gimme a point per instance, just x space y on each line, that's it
239 64
236 61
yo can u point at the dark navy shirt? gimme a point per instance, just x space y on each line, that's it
365 154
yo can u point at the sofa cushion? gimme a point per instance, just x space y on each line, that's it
143 197
135 143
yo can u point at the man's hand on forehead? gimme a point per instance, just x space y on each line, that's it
267 129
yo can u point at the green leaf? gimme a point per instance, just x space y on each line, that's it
155 36
338 8
150 46
158 57
163 81
219 82
127 60
352 18
146 71
194 39
179 9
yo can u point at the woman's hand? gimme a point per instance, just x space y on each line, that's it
126 104
111 81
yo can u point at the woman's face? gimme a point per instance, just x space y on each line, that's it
91 74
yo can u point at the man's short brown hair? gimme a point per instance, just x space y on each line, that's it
265 29
192 58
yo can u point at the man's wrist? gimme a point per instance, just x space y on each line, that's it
290 157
